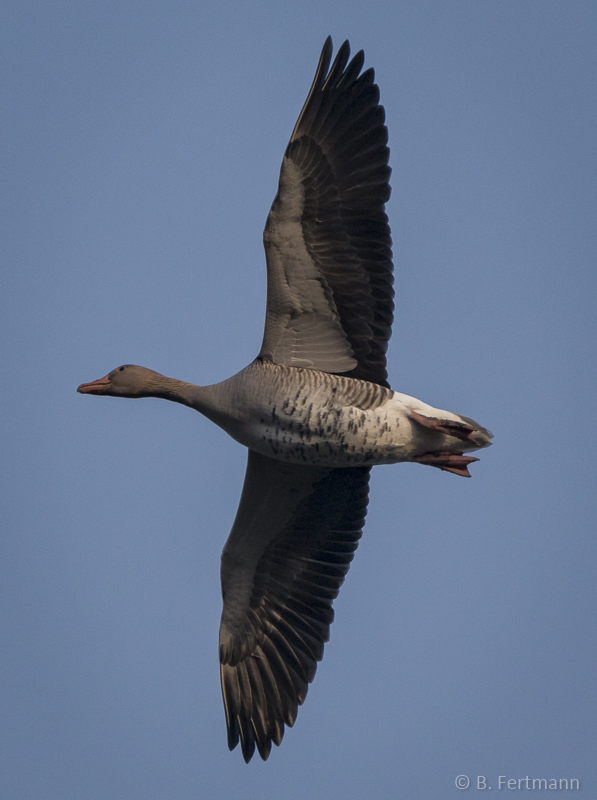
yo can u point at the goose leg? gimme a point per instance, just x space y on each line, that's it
450 462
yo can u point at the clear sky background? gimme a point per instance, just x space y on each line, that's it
142 147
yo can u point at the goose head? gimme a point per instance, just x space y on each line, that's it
126 381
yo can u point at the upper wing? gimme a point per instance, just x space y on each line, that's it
327 240
290 547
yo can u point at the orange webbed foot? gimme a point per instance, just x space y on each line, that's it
450 462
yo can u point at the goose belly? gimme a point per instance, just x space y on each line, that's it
327 435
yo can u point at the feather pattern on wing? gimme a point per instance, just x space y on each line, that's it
327 239
289 550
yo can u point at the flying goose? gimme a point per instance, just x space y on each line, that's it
314 408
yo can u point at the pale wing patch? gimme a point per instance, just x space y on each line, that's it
303 328
310 341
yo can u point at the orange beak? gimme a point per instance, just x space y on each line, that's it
95 387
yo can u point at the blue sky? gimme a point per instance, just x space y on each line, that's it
142 145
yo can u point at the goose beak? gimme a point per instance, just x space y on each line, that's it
100 386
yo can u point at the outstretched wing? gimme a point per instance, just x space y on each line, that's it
327 239
289 550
